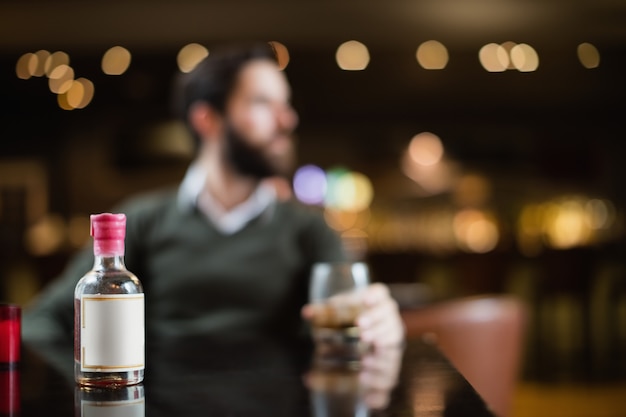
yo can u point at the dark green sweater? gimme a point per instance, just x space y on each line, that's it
201 282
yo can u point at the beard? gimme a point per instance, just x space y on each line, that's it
255 161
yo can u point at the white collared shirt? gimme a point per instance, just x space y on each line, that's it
192 193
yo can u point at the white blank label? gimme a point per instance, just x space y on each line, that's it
112 333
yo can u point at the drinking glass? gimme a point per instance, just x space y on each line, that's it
334 294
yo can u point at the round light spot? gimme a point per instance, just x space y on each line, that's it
116 61
432 55
40 63
88 92
352 56
426 149
309 184
54 60
190 56
62 102
60 79
282 54
354 192
74 94
524 58
588 55
493 57
25 66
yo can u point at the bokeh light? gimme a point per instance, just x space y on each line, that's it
475 231
39 68
588 55
75 94
25 66
352 56
432 55
88 92
340 220
432 179
354 192
564 222
46 236
333 176
190 56
116 60
63 103
61 79
309 184
494 57
601 213
282 54
524 58
426 149
54 60
336 189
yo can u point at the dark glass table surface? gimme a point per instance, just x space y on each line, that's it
197 377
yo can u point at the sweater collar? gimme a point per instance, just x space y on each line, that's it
191 195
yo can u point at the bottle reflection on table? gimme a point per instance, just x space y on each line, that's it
126 401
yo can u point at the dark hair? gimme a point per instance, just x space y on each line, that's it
214 78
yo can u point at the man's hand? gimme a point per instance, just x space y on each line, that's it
379 319
380 322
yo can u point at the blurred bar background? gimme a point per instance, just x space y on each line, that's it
460 147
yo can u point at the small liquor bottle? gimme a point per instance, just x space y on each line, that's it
109 331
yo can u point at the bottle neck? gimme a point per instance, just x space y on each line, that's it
109 261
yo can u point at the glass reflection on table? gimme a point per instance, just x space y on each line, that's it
353 389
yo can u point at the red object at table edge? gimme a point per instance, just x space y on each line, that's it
10 333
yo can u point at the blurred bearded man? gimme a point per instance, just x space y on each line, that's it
221 256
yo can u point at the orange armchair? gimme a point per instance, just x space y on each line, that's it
482 336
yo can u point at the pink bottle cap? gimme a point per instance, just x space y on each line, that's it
108 231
